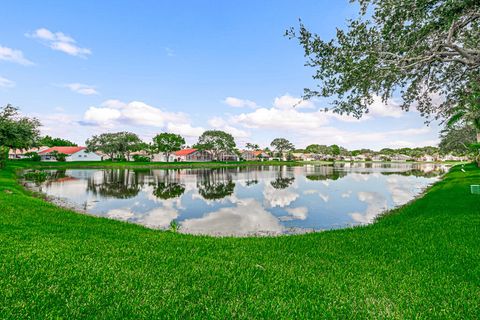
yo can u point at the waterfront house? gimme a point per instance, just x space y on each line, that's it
72 154
21 153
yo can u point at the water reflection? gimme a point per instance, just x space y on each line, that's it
245 200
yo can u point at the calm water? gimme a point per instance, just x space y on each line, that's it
245 200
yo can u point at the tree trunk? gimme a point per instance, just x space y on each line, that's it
167 155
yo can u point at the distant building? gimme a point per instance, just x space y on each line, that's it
73 154
250 155
192 155
401 158
21 153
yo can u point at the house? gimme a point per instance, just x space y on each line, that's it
401 158
192 155
21 153
160 157
427 158
250 155
72 154
450 157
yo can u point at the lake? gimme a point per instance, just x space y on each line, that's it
242 201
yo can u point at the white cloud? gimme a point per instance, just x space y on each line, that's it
160 217
288 102
60 42
12 55
240 103
379 109
5 83
220 124
82 89
114 113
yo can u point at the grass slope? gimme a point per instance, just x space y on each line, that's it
421 261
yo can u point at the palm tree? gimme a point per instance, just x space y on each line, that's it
468 113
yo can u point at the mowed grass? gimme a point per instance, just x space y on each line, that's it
420 261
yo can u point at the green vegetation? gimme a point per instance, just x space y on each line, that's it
420 261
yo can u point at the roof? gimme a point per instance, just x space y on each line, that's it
23 151
185 152
65 150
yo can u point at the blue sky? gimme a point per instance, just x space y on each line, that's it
86 67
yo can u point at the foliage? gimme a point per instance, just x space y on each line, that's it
217 142
55 142
214 190
282 182
252 146
281 145
117 145
168 190
457 139
33 156
140 158
174 226
61 157
167 143
420 48
16 132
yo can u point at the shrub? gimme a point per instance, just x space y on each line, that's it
139 158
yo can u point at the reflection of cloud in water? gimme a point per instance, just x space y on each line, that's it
278 197
361 177
299 213
324 197
404 188
159 217
247 218
120 214
376 204
346 194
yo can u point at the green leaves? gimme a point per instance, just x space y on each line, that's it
217 142
415 48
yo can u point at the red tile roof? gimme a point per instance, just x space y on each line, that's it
185 152
66 150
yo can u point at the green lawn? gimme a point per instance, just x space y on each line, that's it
421 261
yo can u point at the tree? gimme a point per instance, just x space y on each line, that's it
334 150
167 143
457 140
16 132
419 48
252 146
59 156
55 142
317 148
282 145
116 145
468 112
217 142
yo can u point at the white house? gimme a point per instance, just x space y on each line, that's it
401 158
254 155
73 154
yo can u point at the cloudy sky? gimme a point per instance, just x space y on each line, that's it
88 67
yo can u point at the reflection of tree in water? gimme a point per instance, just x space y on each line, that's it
325 173
249 183
417 173
117 183
168 190
282 183
215 184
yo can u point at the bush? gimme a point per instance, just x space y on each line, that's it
139 158
33 156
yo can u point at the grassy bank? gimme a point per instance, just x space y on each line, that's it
421 261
